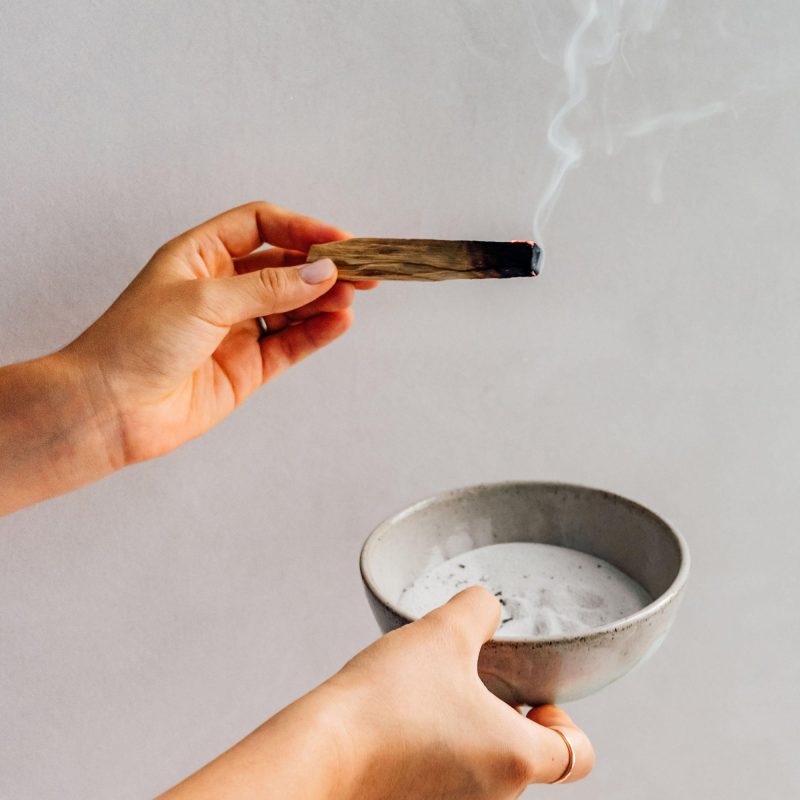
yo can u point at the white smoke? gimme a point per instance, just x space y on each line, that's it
625 77
675 120
567 146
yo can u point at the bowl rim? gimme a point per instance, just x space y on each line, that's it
658 603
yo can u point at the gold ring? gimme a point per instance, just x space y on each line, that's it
570 756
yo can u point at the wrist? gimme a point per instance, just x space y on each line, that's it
55 434
350 721
329 726
93 408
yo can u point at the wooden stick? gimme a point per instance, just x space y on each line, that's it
428 259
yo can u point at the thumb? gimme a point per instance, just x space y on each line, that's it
472 615
229 300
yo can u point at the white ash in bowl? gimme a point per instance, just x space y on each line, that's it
545 590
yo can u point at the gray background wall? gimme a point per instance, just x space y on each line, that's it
149 621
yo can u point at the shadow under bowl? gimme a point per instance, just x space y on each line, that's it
534 670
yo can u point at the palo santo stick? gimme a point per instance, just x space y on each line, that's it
428 259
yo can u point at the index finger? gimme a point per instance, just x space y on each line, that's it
241 230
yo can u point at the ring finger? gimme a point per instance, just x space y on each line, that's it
338 298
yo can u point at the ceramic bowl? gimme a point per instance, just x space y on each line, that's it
531 670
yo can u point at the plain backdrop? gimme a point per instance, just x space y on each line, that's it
149 621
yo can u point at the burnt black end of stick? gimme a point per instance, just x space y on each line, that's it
536 259
506 259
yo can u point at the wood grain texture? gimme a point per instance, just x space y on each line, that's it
428 259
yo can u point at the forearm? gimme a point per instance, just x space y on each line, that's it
56 431
303 753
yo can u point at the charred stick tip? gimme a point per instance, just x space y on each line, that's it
536 258
516 259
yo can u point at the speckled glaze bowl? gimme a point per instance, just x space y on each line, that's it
531 671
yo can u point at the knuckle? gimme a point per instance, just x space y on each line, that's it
165 249
171 250
273 282
516 770
258 205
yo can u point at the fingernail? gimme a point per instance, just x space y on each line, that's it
317 271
